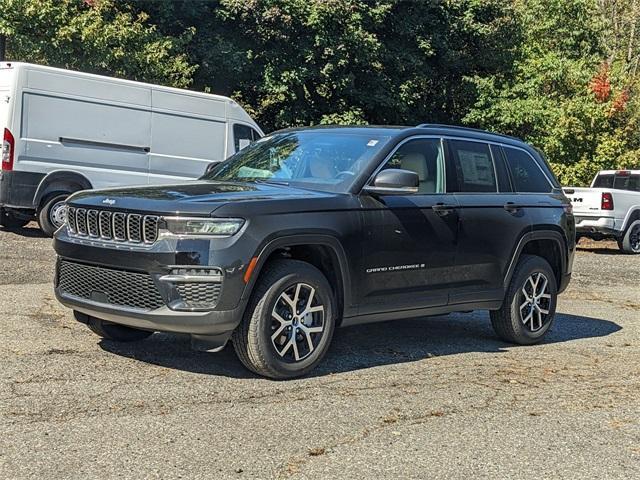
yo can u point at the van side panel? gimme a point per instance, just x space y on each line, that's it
187 134
104 142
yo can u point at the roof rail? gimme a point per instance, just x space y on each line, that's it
468 129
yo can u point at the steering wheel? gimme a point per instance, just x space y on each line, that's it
345 173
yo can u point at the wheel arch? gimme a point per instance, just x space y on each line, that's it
549 245
325 252
632 215
60 181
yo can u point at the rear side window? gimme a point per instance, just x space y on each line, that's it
526 174
243 136
620 181
474 166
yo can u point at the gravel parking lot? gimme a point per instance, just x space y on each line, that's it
439 397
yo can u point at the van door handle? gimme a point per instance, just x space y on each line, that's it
512 207
443 209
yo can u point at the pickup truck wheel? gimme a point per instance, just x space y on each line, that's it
529 305
630 242
115 332
289 322
51 214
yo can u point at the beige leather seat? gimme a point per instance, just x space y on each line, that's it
417 162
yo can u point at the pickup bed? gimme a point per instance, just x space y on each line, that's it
610 208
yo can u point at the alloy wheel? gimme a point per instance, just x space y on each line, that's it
634 238
536 302
297 322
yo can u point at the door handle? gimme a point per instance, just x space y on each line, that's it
512 207
443 209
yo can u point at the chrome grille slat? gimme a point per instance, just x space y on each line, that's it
107 285
92 223
81 221
113 226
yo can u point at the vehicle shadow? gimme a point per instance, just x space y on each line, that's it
365 346
30 231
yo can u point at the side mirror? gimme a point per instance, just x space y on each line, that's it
394 181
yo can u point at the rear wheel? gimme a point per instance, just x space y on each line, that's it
529 306
51 214
289 321
115 332
630 242
11 220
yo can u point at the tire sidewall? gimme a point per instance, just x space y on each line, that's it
44 215
262 315
625 245
531 266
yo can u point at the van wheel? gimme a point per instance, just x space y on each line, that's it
10 220
529 305
630 242
51 214
289 322
115 332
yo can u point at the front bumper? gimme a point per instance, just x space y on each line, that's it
116 298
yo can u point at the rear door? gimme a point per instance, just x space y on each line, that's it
409 241
492 219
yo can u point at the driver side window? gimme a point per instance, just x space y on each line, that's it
424 156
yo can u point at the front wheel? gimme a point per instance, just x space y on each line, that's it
51 214
630 242
529 305
289 322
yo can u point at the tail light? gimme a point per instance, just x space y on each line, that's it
8 147
607 201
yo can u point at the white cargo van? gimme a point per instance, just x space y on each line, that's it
65 131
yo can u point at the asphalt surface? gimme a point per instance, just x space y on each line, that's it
433 398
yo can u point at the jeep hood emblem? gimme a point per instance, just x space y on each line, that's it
108 201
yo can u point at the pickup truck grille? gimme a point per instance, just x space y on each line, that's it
112 226
108 285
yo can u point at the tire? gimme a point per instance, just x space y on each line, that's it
287 354
115 332
50 215
630 241
10 220
512 322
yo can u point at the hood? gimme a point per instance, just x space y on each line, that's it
192 198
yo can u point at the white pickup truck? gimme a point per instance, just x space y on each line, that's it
610 208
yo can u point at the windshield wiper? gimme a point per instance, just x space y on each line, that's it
273 182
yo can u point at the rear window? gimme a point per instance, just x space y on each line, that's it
618 182
474 166
526 174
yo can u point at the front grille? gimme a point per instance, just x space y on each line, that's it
107 285
112 226
199 294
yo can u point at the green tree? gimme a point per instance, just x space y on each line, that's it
99 36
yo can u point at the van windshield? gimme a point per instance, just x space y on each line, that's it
320 160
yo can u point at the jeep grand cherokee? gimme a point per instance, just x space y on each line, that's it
310 229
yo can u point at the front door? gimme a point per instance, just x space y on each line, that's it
409 240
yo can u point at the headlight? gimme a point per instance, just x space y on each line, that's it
219 227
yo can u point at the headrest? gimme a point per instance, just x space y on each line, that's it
416 162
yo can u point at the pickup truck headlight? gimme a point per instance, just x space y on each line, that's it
218 227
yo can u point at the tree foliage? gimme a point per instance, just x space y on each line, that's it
562 74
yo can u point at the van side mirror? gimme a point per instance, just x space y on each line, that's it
394 181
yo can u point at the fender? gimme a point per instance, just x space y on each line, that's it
301 239
60 180
537 235
630 213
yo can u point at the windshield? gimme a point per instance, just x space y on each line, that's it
321 160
